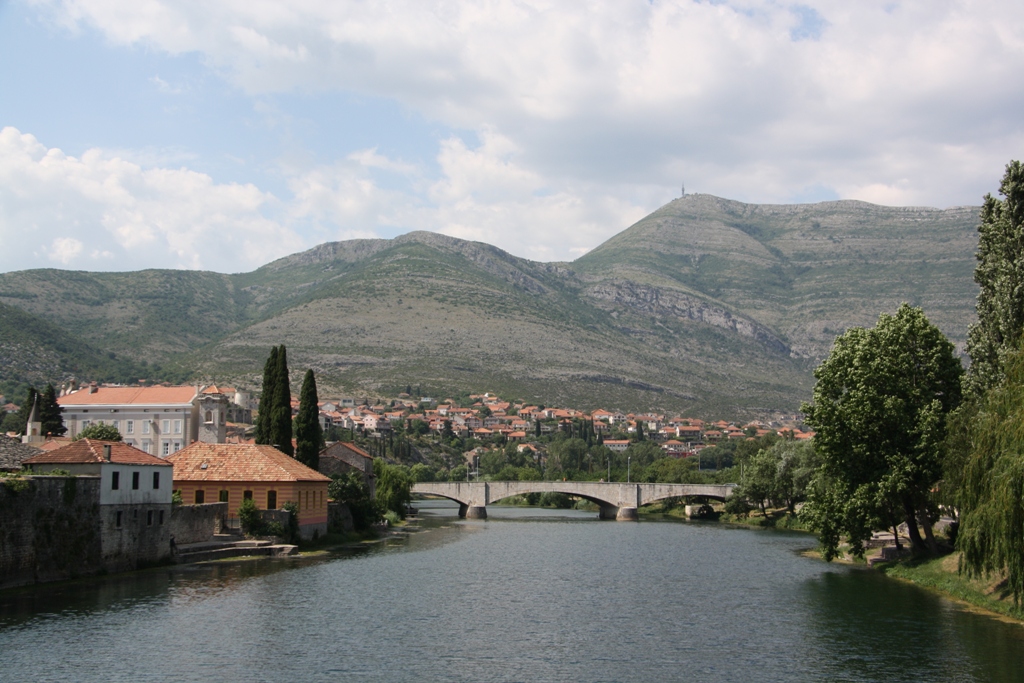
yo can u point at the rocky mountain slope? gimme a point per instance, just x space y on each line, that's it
706 305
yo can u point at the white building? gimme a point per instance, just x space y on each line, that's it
135 491
156 420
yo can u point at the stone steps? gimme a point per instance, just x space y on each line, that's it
219 550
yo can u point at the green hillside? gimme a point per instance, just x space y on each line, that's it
705 306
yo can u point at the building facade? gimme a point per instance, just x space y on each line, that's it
231 473
156 420
135 491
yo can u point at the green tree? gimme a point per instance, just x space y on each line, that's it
50 413
394 486
350 490
991 499
18 425
281 413
1000 274
100 432
267 391
879 409
308 432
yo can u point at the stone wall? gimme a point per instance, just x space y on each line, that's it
339 517
197 523
50 529
142 539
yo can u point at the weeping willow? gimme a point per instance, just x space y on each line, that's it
991 492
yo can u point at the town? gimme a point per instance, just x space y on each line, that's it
176 473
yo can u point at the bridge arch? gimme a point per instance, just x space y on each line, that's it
616 500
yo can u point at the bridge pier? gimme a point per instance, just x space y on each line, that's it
472 511
608 512
627 515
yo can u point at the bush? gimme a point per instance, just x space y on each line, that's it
100 432
349 490
737 504
250 518
291 532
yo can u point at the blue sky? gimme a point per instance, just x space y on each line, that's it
224 135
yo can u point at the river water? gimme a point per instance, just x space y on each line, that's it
528 595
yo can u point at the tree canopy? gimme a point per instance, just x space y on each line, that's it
274 420
879 410
100 432
1000 274
309 435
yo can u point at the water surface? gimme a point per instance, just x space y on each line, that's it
528 595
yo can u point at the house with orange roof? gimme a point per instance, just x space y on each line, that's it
342 457
230 473
134 497
617 445
158 420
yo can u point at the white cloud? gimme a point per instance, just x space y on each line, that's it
103 212
633 92
586 117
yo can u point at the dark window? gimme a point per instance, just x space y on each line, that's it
200 497
135 480
135 515
149 518
161 518
223 496
271 500
115 483
117 519
247 495
156 480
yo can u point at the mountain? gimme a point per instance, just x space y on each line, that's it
706 306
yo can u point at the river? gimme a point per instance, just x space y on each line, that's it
528 595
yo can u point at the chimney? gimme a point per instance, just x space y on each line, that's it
93 388
106 452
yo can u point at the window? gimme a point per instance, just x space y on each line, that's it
166 448
135 515
149 518
147 445
200 496
209 416
156 480
113 423
117 519
129 426
85 423
177 426
161 518
271 500
135 481
165 427
247 495
115 482
145 426
223 496
177 447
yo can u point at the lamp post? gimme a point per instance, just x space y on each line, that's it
629 460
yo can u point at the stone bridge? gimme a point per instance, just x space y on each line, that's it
616 500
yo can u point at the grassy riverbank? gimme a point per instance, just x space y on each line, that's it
940 574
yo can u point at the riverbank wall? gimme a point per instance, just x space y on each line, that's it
54 528
50 529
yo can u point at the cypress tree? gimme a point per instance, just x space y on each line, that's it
281 412
26 409
1000 274
50 413
267 398
308 432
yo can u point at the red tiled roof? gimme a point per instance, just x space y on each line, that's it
105 396
238 462
91 450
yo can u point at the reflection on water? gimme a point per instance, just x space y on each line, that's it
528 595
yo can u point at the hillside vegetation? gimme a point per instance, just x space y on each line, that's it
706 306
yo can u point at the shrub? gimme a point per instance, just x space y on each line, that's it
291 532
250 518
